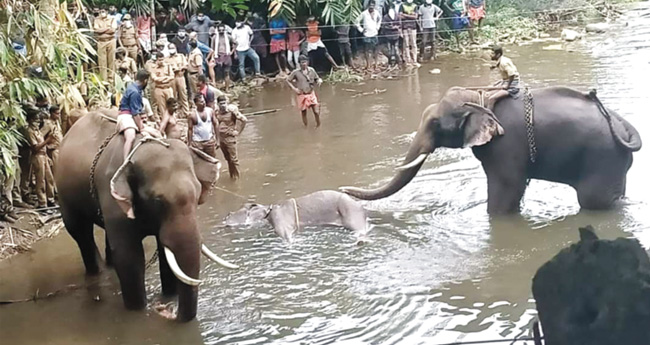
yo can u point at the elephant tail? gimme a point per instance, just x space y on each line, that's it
623 132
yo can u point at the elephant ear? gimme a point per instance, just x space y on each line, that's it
121 190
206 169
481 125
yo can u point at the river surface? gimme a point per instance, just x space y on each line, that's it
438 269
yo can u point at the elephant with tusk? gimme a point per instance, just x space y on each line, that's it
319 208
570 137
155 193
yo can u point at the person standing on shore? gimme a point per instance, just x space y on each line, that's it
278 28
305 79
429 14
368 23
408 15
476 13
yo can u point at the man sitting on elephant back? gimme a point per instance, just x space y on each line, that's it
509 75
128 120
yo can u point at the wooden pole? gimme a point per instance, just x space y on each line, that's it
262 112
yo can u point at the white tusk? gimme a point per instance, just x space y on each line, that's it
212 256
413 163
171 260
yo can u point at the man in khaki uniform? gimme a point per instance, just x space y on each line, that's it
231 124
52 128
125 62
105 27
194 66
178 64
163 79
39 164
128 38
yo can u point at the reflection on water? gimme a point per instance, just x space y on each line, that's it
438 269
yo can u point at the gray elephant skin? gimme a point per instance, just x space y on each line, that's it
577 144
161 186
319 208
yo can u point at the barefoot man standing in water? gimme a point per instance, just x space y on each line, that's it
305 78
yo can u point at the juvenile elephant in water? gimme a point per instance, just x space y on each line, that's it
319 208
157 194
578 142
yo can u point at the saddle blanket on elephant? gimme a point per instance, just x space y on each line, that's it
307 100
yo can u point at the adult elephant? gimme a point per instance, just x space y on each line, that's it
577 141
156 194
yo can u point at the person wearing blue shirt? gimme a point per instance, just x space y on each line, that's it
129 121
278 28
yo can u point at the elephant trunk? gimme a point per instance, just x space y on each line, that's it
181 240
420 148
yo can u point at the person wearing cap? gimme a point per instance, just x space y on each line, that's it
128 38
163 79
194 66
178 64
39 164
302 82
231 123
104 27
125 62
162 45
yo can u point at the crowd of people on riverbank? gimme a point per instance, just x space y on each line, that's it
404 32
173 79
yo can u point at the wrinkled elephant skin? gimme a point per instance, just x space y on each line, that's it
576 145
160 183
319 208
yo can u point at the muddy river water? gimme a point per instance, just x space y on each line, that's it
438 269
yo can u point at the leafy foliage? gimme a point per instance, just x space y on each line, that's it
230 6
54 44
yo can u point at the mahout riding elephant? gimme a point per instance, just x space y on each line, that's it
156 193
572 139
320 208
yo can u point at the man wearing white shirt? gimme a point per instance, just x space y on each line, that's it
243 34
369 23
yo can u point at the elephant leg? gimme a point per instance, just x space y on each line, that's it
599 192
167 278
128 259
109 254
353 217
81 230
505 193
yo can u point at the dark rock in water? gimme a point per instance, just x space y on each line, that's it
595 292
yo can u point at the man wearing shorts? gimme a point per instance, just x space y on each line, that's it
509 77
278 28
369 23
305 79
128 120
